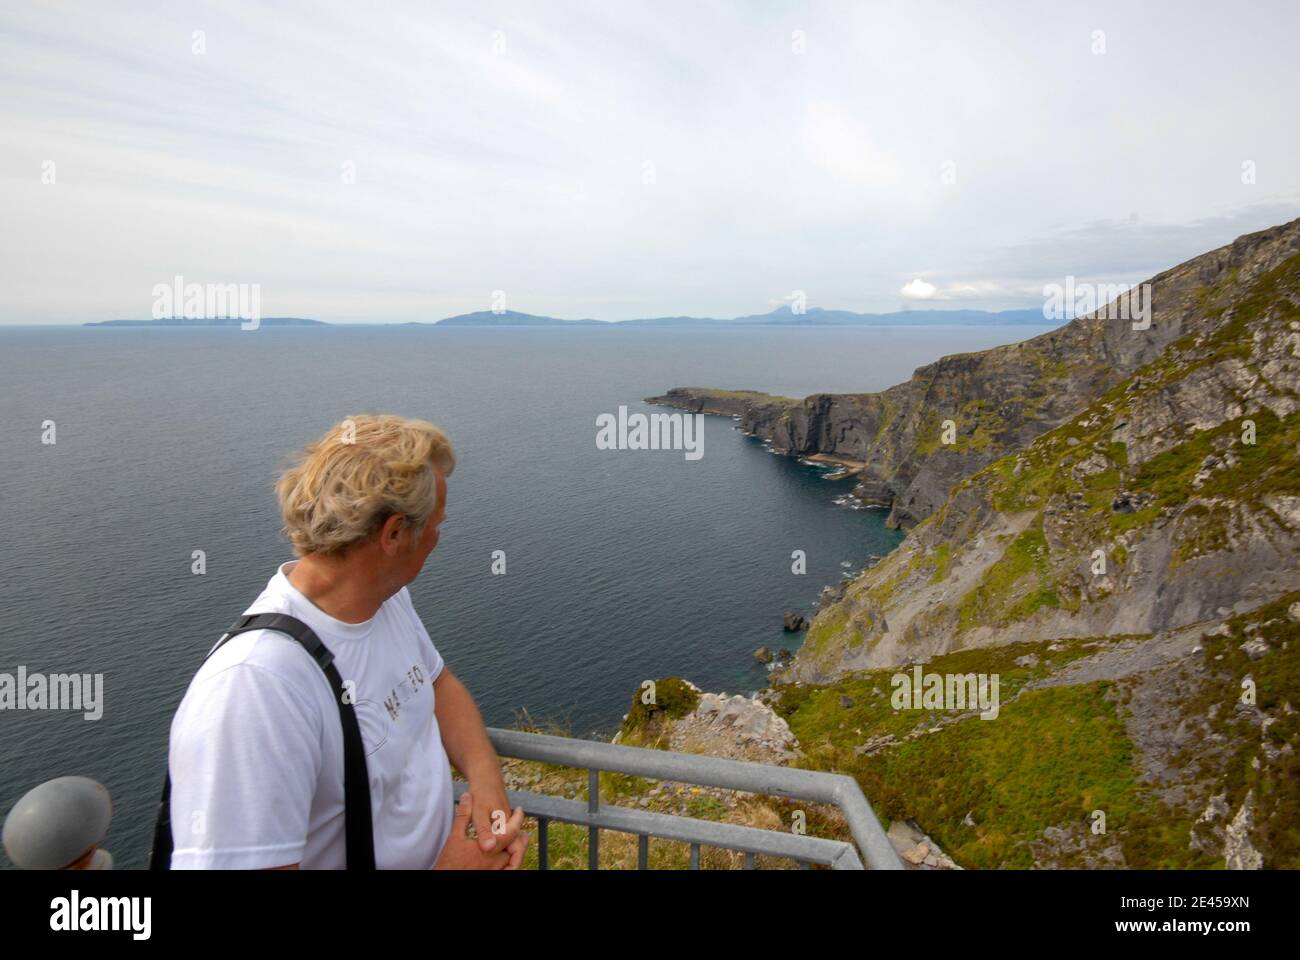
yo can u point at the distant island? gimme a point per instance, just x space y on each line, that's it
782 316
208 322
511 318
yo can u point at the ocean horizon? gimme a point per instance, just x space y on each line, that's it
620 565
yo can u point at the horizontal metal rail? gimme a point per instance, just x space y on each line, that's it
764 779
707 833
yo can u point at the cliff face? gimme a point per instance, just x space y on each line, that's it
1172 497
1116 536
998 400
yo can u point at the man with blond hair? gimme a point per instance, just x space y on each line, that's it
257 758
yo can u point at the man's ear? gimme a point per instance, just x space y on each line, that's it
390 535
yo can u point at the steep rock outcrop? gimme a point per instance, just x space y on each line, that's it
999 400
1170 498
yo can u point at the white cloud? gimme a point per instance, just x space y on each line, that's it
918 289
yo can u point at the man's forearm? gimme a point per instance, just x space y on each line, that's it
466 741
463 734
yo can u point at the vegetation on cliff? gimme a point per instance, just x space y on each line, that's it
1170 499
1154 536
1111 528
1076 734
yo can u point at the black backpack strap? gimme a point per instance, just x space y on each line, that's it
358 830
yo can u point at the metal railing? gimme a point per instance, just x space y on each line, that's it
758 778
61 823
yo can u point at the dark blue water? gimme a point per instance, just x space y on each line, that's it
621 565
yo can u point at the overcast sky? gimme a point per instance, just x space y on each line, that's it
616 159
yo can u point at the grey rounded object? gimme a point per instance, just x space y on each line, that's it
57 822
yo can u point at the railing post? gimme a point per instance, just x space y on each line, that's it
543 853
593 832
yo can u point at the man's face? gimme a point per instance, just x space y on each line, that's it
429 537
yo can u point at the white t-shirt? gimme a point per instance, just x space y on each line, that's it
256 752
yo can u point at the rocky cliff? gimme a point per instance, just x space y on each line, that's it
998 400
1170 497
1115 533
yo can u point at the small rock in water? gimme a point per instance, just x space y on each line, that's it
763 655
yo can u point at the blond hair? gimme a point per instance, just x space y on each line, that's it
364 470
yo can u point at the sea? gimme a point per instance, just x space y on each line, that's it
620 565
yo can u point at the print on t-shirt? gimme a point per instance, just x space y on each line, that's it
408 686
376 720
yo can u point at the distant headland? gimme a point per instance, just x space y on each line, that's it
782 316
208 322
